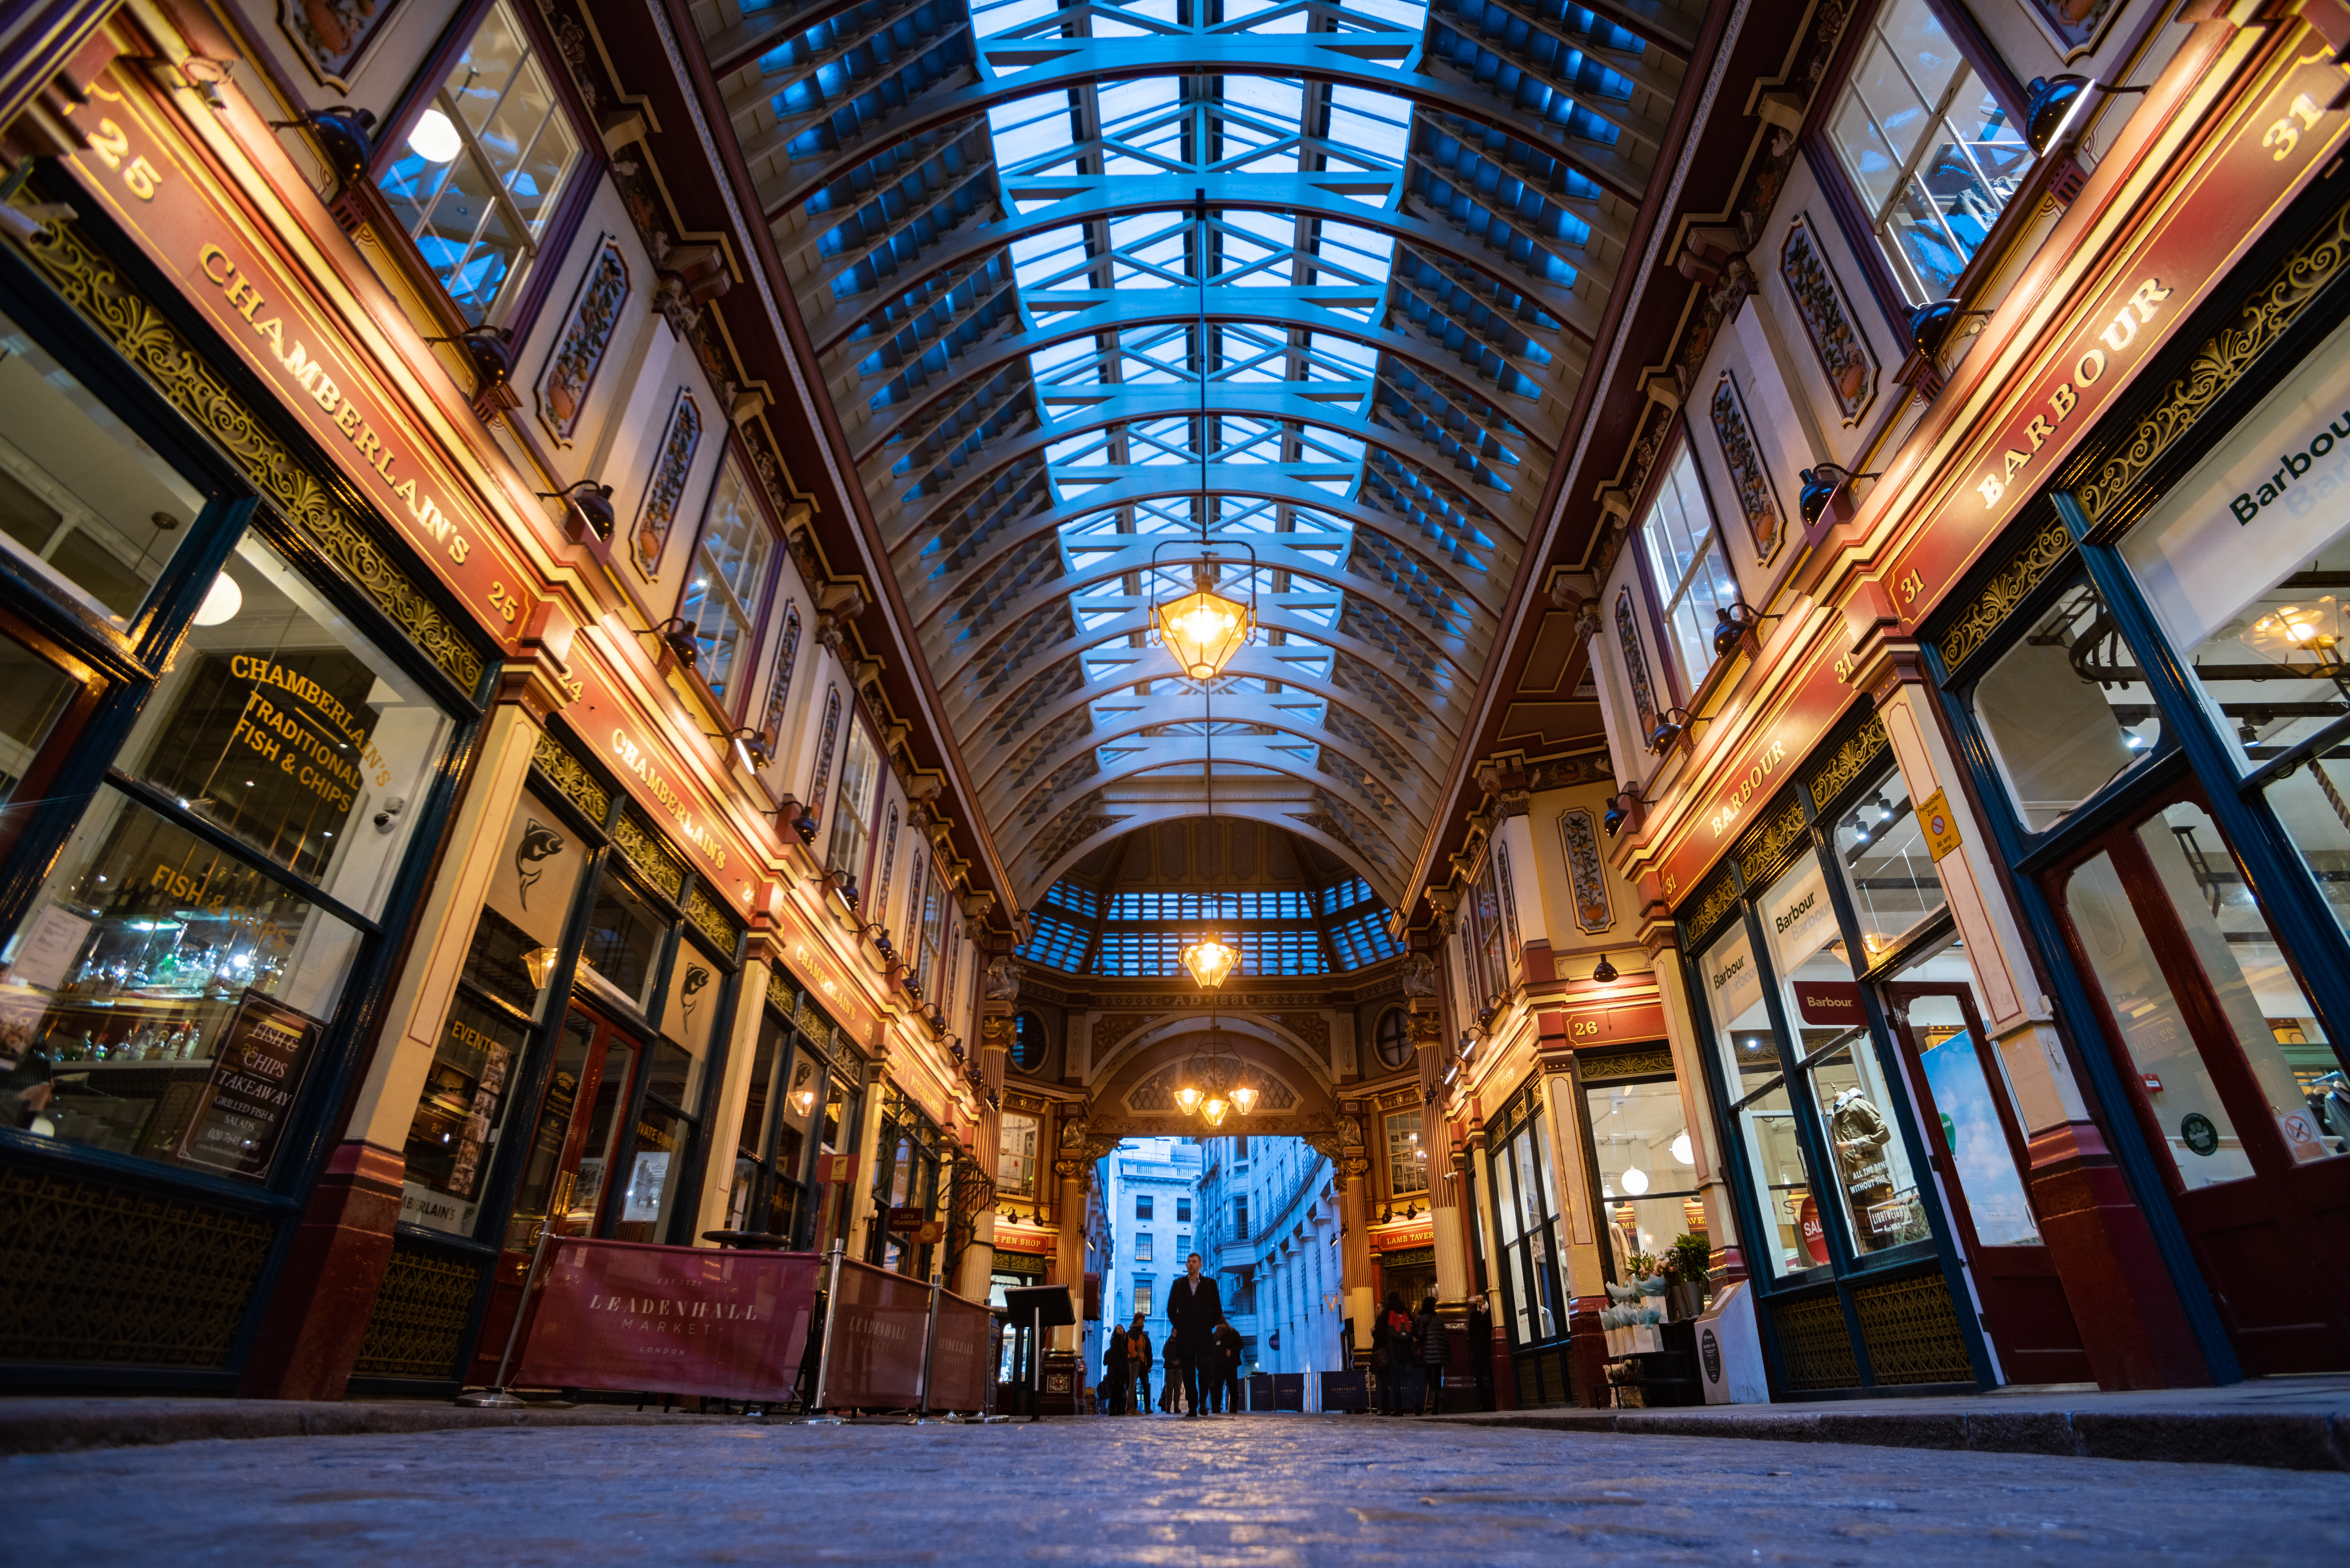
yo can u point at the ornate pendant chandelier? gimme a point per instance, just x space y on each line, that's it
1214 1083
1211 960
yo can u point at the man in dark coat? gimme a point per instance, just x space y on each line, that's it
1224 1371
1138 1363
1193 1311
1115 1376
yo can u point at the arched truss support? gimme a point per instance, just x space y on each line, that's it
908 524
1262 753
1404 778
1050 67
1263 661
1305 198
1532 424
1484 589
1466 648
1289 816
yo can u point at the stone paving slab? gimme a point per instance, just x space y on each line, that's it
1231 1493
42 1425
2289 1424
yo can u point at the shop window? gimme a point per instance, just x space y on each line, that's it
83 502
1407 1156
501 990
1971 1097
852 818
1028 1042
1836 1060
1931 153
1881 850
729 577
152 967
624 940
1754 1070
281 725
1689 569
1015 1162
36 698
2066 711
479 176
1391 1041
1646 1167
1525 1202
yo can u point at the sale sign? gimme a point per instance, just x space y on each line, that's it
670 1320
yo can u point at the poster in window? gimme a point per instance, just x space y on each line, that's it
665 486
256 1076
578 352
331 35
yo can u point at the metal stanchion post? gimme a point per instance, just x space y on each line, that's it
1036 1366
929 1343
824 1355
495 1398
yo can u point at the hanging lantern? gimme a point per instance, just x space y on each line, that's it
1245 1098
1187 1099
540 963
1214 1109
1202 629
1210 962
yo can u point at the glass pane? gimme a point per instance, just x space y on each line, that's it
2246 562
1880 1194
1647 1171
1782 1188
2196 1127
1546 1312
1505 1196
624 937
1521 1295
675 1076
2244 964
548 1136
143 952
1959 1069
1868 157
34 695
532 886
2066 711
1015 1164
752 1136
1893 102
83 500
604 1124
1914 38
1741 1022
281 724
479 79
459 1116
654 1172
514 125
540 178
1887 868
860 765
1407 1156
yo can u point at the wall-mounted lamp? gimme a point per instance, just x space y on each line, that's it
587 503
1605 973
1931 324
1731 623
344 134
491 350
1670 729
2052 105
753 744
677 634
1820 487
540 963
1619 811
842 886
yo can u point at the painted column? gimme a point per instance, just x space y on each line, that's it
760 958
1076 1171
1353 1167
2122 1299
864 1157
318 1316
1661 943
1587 1274
999 994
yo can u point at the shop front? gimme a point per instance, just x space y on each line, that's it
239 701
2148 679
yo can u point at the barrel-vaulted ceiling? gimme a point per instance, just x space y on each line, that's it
991 216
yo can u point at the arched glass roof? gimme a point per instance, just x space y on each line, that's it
1029 240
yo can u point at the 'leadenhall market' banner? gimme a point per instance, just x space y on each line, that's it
670 1320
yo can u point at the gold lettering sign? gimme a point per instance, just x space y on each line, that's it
634 758
2088 369
1734 801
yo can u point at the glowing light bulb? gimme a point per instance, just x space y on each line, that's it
1245 1098
1636 1181
435 139
1682 1152
1188 1098
222 603
1214 1111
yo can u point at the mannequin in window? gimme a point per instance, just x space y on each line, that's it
1857 1131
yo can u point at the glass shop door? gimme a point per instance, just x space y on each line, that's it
1978 1149
2194 987
569 1166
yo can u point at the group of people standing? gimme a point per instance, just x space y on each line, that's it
1401 1342
1203 1355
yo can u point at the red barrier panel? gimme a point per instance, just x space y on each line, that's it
672 1320
960 1369
877 1323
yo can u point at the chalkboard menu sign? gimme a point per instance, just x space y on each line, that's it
257 1073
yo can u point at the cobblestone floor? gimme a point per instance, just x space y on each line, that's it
1237 1491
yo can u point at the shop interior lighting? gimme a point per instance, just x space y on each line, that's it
222 602
1680 1149
1635 1181
435 137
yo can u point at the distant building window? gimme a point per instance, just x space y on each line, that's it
1142 1206
1142 1302
1143 1247
1183 1209
1239 1218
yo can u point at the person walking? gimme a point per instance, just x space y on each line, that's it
1392 1343
1193 1311
1170 1380
1225 1370
1435 1356
1137 1362
1114 1380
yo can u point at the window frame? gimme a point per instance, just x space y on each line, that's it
735 703
1845 201
563 225
1659 604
